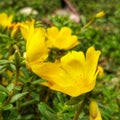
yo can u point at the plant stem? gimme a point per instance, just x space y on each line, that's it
1 118
88 24
17 74
9 98
80 109
13 91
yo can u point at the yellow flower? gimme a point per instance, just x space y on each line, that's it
27 29
36 50
5 20
61 39
73 75
100 14
94 111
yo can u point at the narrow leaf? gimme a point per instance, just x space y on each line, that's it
7 107
3 89
17 96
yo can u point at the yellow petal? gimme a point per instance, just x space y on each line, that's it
27 29
5 20
36 50
52 73
65 31
74 64
67 43
9 21
52 31
73 40
92 57
70 90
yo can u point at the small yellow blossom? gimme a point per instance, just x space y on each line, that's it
94 111
74 75
61 39
5 20
100 14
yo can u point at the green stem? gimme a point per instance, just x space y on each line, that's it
9 98
88 24
13 91
17 64
80 109
17 75
1 117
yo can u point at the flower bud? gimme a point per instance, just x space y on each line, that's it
17 58
101 71
100 14
94 111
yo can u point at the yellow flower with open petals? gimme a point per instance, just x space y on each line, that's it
5 20
94 111
74 75
61 39
36 50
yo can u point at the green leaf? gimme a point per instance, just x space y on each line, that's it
3 95
2 68
18 88
28 102
3 89
1 105
17 96
47 112
38 81
7 107
60 97
10 87
4 35
74 100
3 62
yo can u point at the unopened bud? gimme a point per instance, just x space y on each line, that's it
100 14
101 71
94 111
17 58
